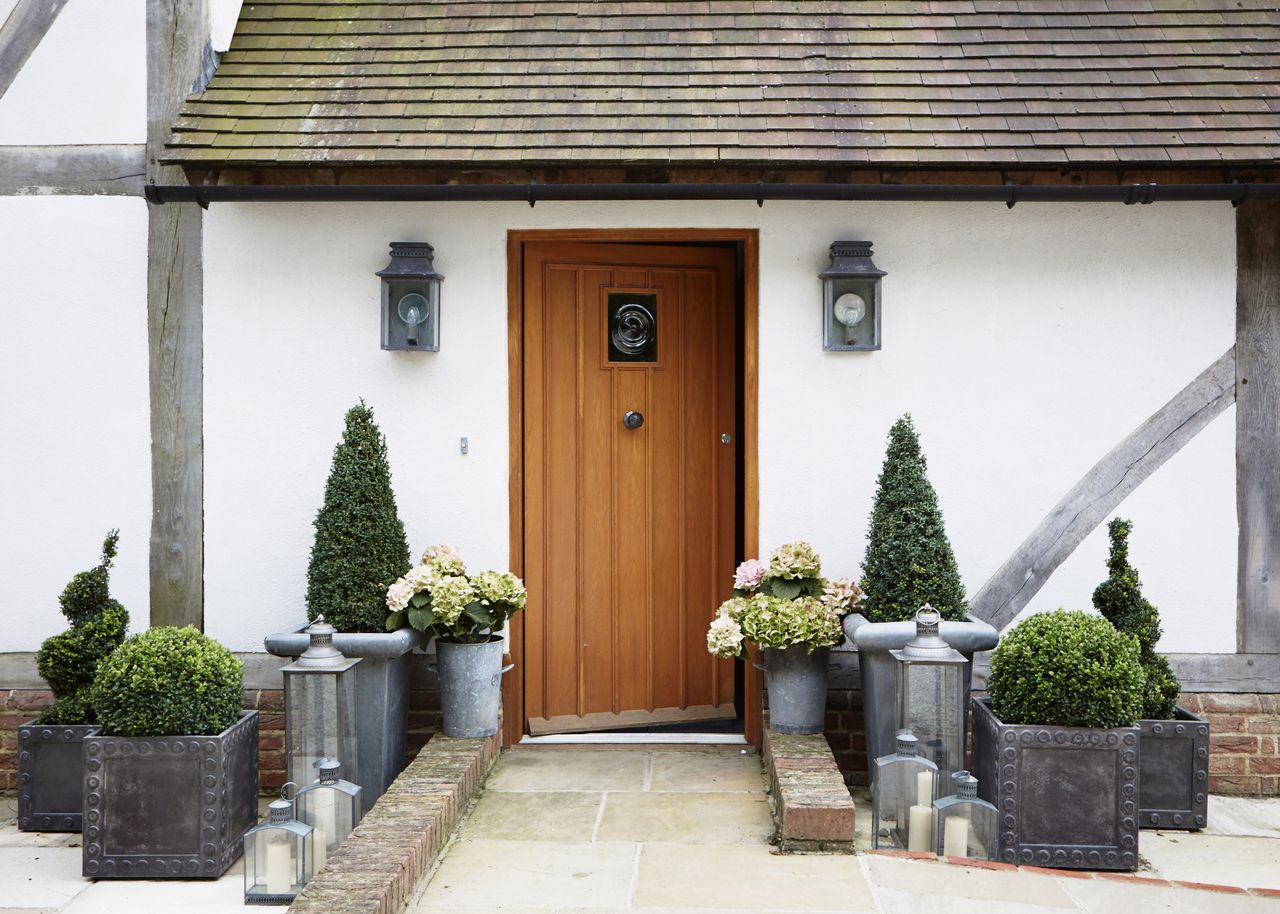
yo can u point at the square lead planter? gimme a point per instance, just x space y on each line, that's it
51 775
169 807
1174 758
1067 796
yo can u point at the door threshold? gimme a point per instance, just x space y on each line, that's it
620 739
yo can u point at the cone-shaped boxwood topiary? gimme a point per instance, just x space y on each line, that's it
1119 598
360 546
168 682
68 660
1066 669
909 561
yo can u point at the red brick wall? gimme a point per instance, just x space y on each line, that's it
1244 741
17 706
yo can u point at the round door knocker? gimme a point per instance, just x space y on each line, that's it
632 419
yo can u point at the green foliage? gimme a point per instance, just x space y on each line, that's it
168 682
360 546
68 660
1119 598
909 561
1066 669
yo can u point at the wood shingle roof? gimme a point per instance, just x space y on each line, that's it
787 83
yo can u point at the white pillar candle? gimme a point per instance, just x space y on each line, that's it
319 849
924 788
325 819
955 838
920 831
279 864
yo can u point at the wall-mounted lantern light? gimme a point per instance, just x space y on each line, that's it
411 299
851 299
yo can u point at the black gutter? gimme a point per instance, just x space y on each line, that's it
1008 194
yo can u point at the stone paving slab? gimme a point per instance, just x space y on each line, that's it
688 818
484 874
570 769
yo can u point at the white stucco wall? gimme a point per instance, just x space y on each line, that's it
74 427
86 82
1026 343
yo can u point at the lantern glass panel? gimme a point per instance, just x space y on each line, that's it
320 719
333 809
903 789
411 299
931 705
278 860
966 825
843 329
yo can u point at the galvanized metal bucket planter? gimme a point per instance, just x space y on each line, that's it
1067 796
1174 762
169 807
796 680
382 697
876 669
470 687
51 775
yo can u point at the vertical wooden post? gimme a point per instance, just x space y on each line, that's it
176 34
1258 425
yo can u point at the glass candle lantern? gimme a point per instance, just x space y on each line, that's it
930 693
332 807
320 707
903 789
966 825
277 857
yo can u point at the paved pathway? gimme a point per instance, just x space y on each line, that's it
685 830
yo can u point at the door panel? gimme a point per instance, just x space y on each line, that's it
629 533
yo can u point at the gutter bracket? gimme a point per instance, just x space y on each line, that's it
1013 194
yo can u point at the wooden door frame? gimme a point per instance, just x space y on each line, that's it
749 239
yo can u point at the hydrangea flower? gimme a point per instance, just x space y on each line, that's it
415 580
444 559
724 638
749 575
499 587
841 596
450 594
794 561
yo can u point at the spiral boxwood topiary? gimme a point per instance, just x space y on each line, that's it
909 561
1119 598
168 682
1066 669
67 661
360 546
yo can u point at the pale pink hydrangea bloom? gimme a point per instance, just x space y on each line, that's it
749 575
444 559
842 596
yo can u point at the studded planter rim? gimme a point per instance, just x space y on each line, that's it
169 807
1174 756
51 776
1067 797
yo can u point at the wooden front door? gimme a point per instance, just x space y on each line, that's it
630 428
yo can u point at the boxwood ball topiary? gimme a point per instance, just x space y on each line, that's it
360 547
168 682
909 560
1066 669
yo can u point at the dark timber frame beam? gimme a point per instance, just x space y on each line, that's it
177 31
1103 488
29 21
115 170
1258 426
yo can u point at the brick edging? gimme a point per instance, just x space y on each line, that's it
1132 879
378 867
812 807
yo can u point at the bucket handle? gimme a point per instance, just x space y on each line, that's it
498 676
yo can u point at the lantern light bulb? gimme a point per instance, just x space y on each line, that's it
413 311
850 308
